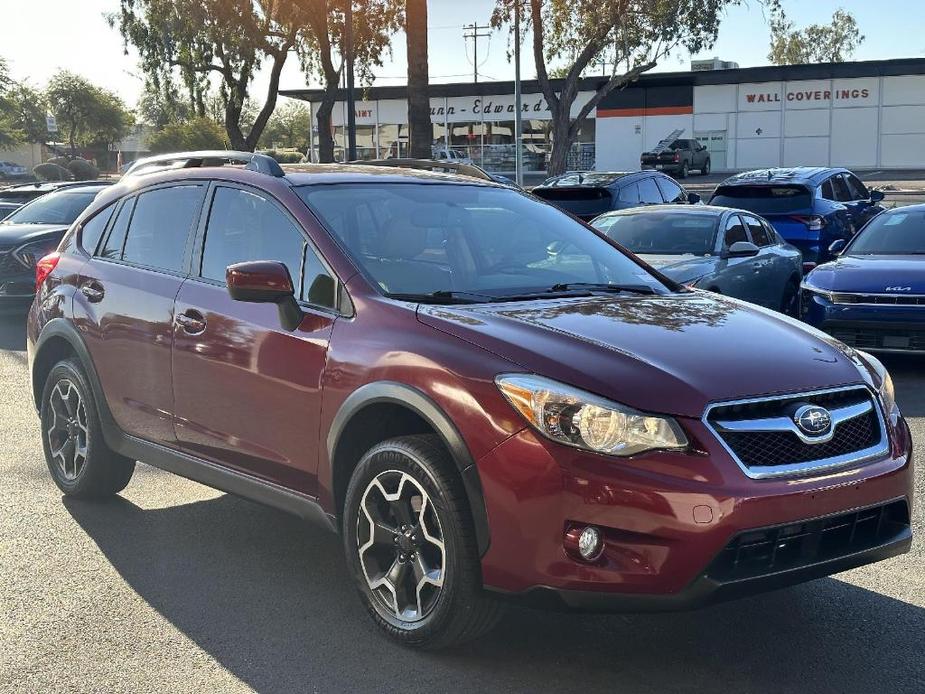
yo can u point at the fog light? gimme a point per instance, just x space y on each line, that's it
589 543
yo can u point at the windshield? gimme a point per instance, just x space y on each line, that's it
54 208
662 233
414 238
892 233
763 199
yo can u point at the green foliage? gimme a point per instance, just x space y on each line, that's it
631 35
289 127
10 134
285 156
87 115
196 134
818 43
29 109
52 172
83 170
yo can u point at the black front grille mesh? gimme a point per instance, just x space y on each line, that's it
763 551
764 449
10 266
880 338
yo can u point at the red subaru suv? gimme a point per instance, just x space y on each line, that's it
487 399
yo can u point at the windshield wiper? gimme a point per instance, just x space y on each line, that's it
445 296
602 287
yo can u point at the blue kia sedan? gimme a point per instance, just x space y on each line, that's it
873 295
730 252
810 207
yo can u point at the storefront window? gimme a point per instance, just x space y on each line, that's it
393 141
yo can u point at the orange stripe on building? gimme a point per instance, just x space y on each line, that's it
653 111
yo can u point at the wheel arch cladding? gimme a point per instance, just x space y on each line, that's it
385 409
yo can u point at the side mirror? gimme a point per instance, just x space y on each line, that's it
265 282
741 249
876 195
838 245
693 198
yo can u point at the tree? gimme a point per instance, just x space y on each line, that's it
162 104
226 38
635 34
817 43
288 127
29 110
420 129
10 134
374 22
87 115
195 134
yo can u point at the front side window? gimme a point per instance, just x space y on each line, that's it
418 238
54 208
161 225
662 233
842 194
898 232
671 191
858 190
649 193
735 231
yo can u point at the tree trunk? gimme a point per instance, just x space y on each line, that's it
420 129
253 137
561 143
325 140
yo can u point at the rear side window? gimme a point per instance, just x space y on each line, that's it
244 226
764 199
671 191
160 227
758 232
112 249
842 194
630 194
92 230
649 193
828 191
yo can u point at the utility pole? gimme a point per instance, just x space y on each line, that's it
472 31
518 108
351 106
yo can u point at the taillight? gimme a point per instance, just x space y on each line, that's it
807 267
813 222
677 156
44 267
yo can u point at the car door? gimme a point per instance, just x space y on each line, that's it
247 391
125 305
771 270
734 276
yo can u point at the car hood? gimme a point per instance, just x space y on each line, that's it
680 268
12 235
871 273
671 354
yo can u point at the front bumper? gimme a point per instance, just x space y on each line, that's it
873 328
667 520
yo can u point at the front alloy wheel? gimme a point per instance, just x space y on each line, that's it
400 546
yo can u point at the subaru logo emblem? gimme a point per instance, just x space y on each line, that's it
812 419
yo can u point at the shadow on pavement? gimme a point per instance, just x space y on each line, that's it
908 373
268 598
12 332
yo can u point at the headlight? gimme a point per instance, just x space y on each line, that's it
576 418
824 293
28 254
882 382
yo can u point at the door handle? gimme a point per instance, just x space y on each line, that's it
192 322
93 291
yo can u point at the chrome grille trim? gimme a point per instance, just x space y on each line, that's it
880 449
877 299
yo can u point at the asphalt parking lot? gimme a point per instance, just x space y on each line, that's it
175 587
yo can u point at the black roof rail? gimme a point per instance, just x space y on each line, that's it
470 170
253 161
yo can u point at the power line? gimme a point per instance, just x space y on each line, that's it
473 31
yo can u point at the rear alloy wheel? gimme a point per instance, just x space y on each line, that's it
684 171
706 168
790 302
78 458
411 547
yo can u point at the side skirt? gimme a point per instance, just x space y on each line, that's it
224 479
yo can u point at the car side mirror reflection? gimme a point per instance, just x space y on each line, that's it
741 249
265 282
693 198
837 246
877 195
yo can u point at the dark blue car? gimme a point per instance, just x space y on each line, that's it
873 295
811 207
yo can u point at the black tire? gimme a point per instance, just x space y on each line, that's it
790 301
98 472
705 171
460 610
684 171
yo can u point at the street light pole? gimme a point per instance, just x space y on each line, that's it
351 109
518 107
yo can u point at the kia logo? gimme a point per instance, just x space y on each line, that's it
812 419
899 289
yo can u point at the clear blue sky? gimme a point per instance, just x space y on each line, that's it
40 36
